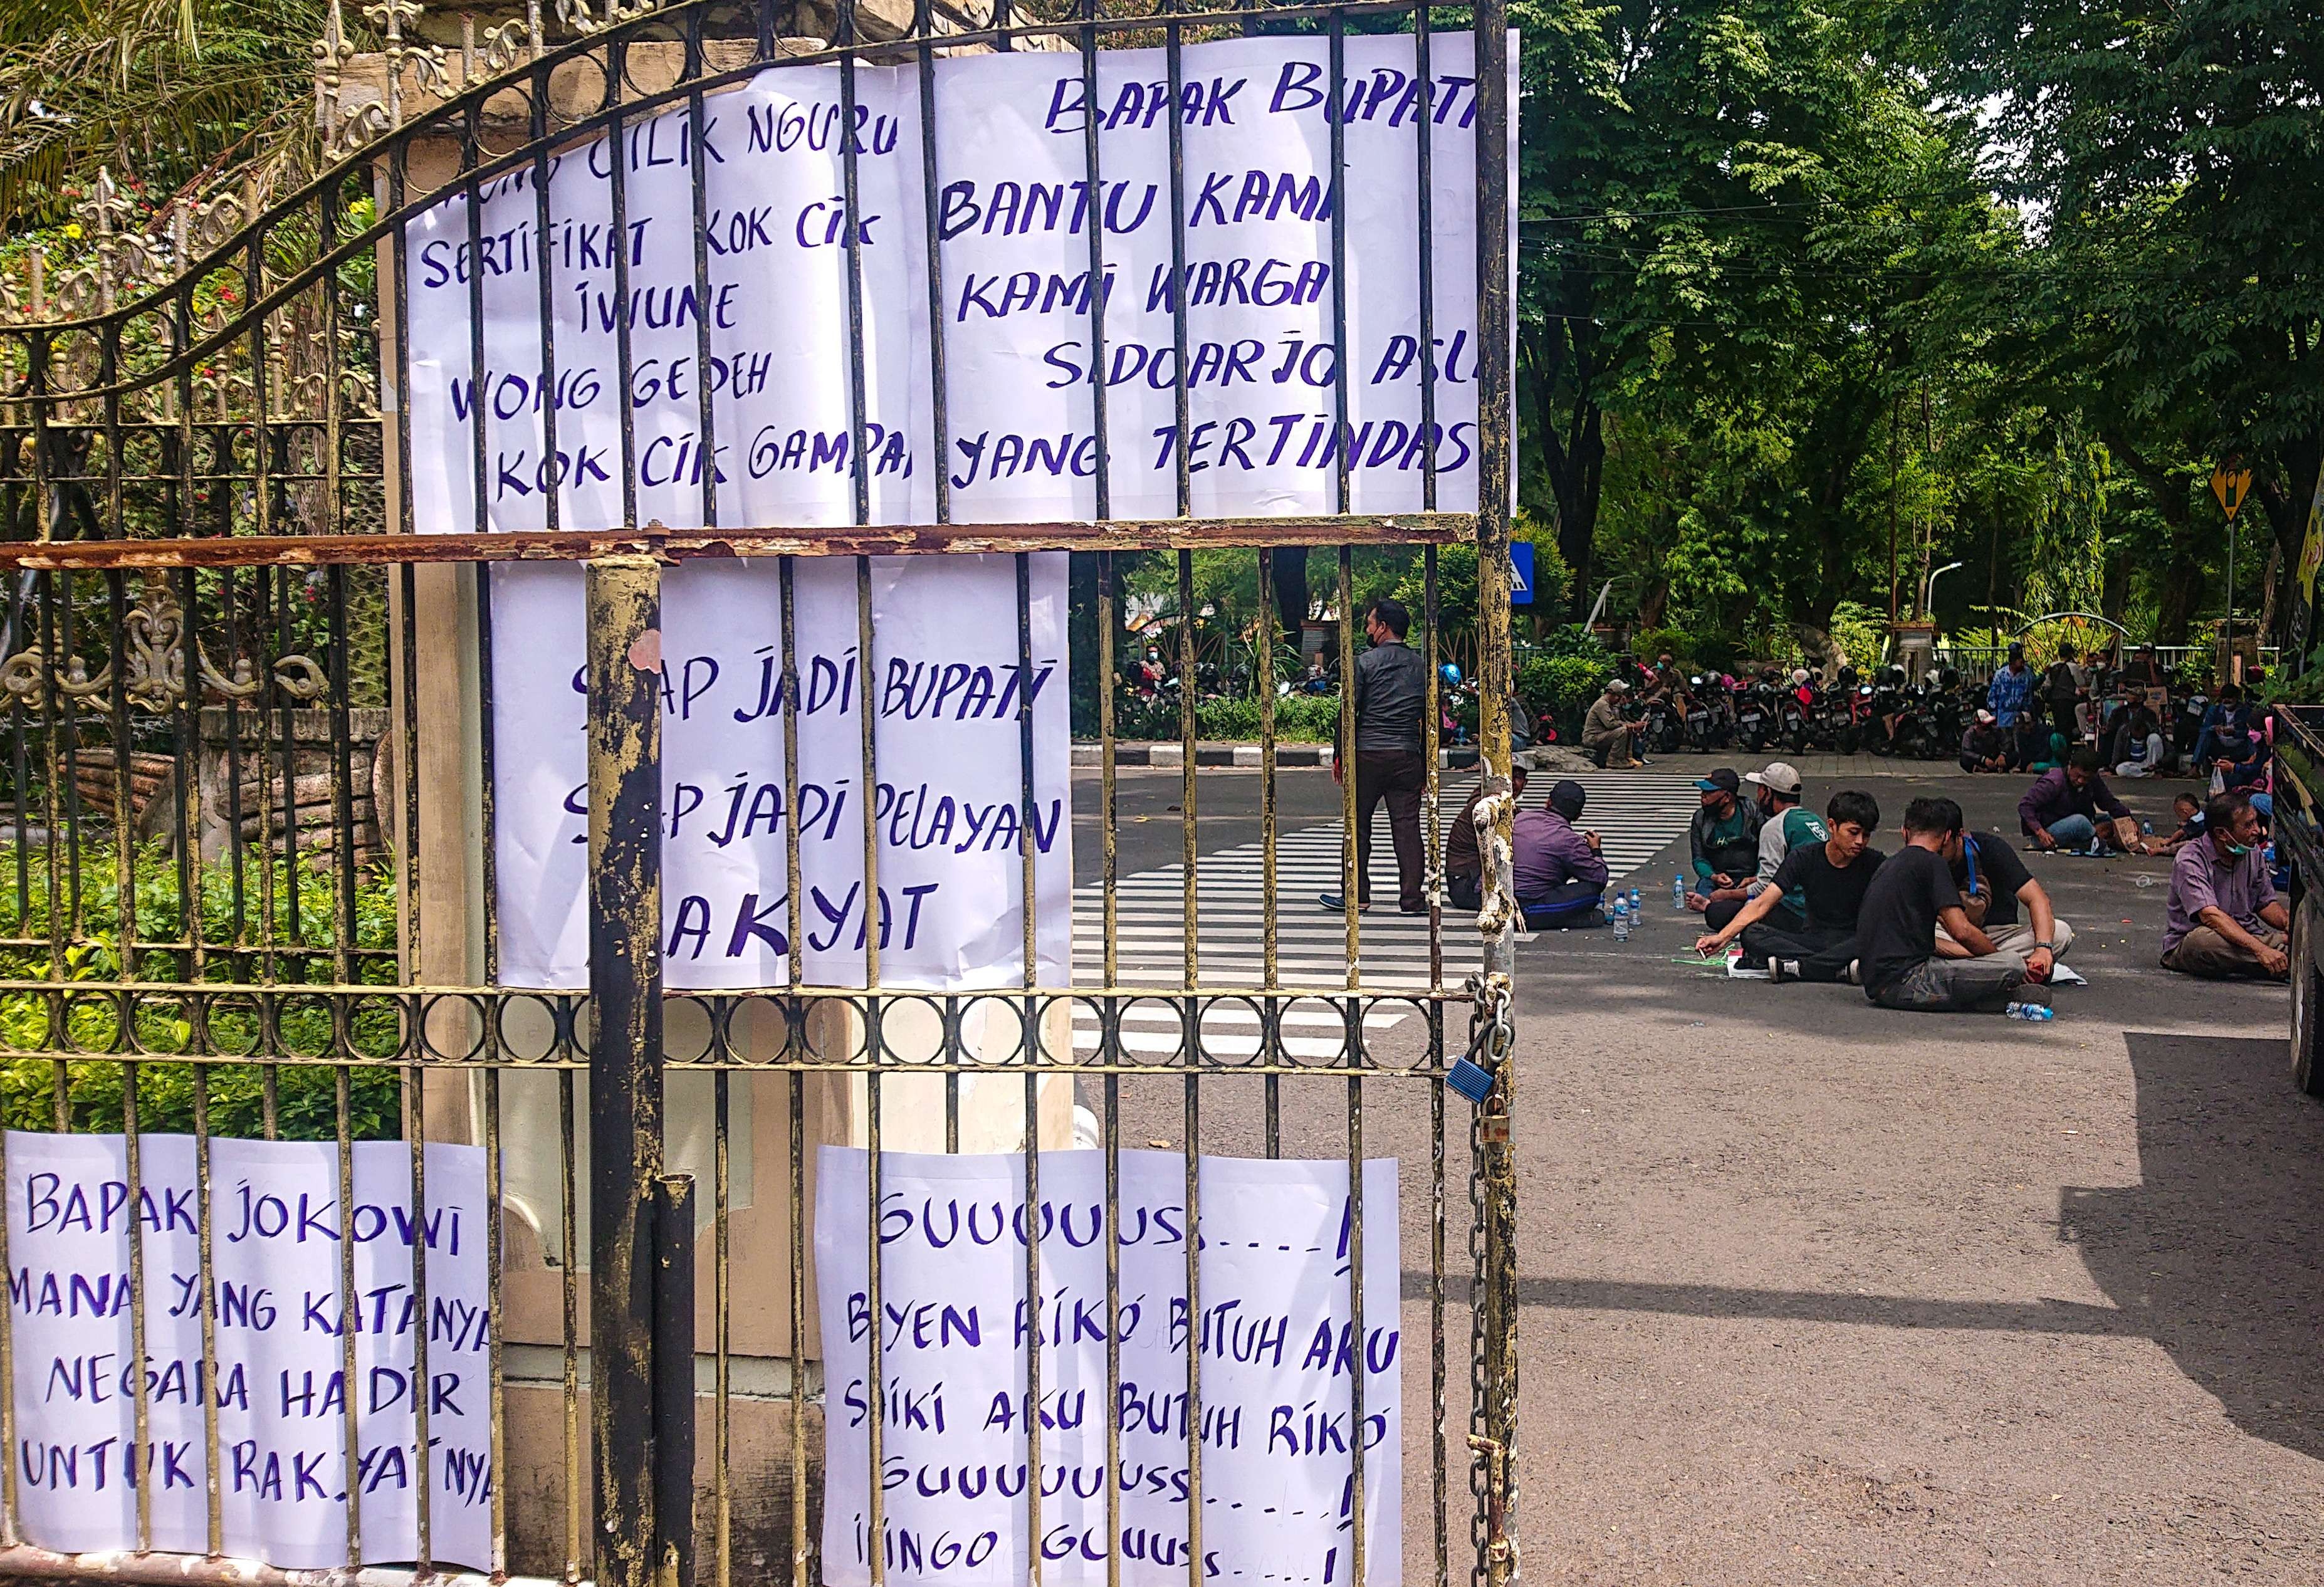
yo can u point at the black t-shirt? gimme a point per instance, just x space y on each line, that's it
1896 929
2002 872
1834 893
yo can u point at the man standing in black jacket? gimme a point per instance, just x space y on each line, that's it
1391 693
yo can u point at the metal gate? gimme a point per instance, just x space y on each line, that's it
249 879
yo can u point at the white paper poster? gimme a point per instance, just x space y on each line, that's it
1277 1351
1013 215
950 803
279 1383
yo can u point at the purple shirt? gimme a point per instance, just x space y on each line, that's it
2052 798
2202 878
1546 852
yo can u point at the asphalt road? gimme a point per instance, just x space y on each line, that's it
1814 1292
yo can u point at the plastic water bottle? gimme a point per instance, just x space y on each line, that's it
1678 893
2034 1013
1636 913
1621 919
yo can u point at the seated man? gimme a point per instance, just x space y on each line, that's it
1724 838
2142 751
2228 722
1464 862
1984 747
1607 735
1903 962
2070 807
2224 917
1786 826
1831 876
1993 886
1560 873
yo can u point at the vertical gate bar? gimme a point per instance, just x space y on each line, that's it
1182 474
205 1246
1267 903
874 1037
289 729
1101 475
793 1044
407 760
1422 33
1030 1030
488 765
125 818
61 1071
940 414
1191 859
415 1131
238 878
625 1059
496 1391
859 468
187 803
722 1260
1108 833
1191 1047
706 415
1438 1555
1109 1055
1497 1283
617 145
673 1379
343 1134
260 755
1351 862
1359 1354
51 664
786 577
342 807
1432 842
536 84
1336 188
76 817
569 1262
801 1541
142 1394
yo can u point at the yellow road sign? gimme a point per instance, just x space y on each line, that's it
2230 485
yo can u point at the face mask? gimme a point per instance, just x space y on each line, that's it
2236 850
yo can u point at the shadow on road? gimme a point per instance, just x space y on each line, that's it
2214 1253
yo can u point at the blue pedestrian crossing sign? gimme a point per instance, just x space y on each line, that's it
1521 568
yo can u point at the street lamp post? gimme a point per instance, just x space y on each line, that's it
1929 590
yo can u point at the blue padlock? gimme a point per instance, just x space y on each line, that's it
1470 1080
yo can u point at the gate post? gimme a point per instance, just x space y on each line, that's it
1496 1306
625 1052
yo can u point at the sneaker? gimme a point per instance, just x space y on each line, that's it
1854 974
1338 903
1782 970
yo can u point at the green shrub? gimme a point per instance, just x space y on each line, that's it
304 1094
1562 687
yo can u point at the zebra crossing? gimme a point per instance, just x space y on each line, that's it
1635 815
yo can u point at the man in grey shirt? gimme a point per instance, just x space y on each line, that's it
1391 693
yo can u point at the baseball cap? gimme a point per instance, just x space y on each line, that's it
1722 780
1780 775
1615 686
1985 718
